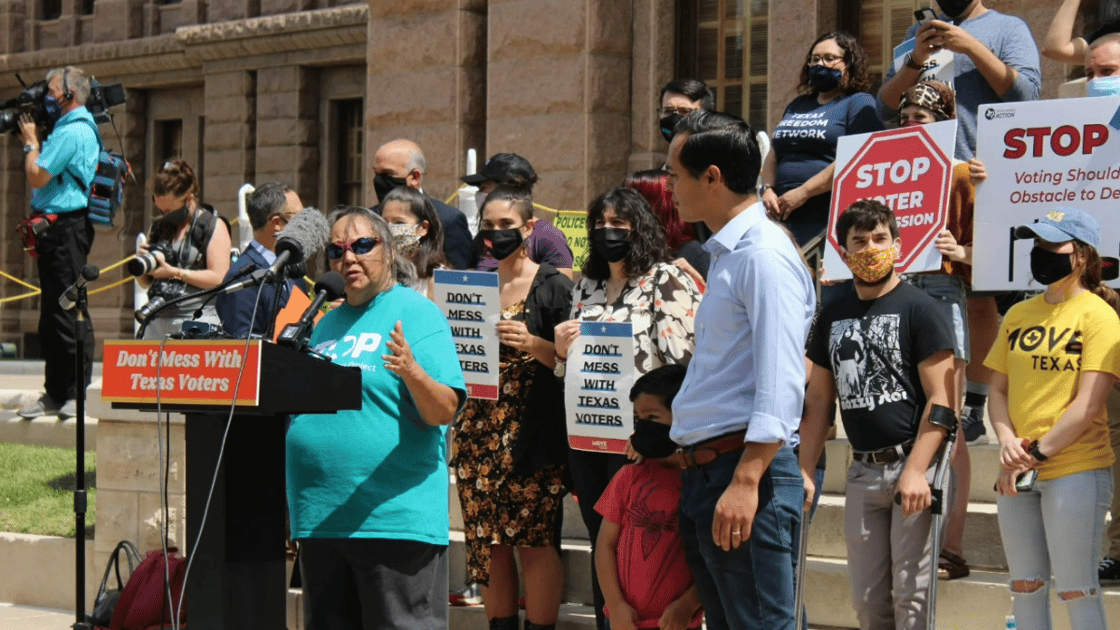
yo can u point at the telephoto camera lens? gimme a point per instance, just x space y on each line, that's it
142 264
145 311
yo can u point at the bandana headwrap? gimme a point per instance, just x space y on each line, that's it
935 96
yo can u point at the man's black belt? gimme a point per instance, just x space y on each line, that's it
888 455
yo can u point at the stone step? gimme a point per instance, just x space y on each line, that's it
983 547
981 601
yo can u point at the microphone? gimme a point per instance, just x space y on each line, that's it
304 236
68 300
330 287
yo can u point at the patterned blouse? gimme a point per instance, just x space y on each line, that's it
662 306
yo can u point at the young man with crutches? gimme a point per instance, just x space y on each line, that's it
887 352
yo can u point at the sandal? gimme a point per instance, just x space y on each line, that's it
950 566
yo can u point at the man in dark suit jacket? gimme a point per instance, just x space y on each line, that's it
401 163
270 208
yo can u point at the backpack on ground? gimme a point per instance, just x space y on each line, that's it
144 602
106 601
106 191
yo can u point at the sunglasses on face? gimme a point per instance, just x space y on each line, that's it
360 247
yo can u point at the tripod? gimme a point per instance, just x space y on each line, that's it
81 621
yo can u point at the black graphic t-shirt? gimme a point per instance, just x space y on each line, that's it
873 349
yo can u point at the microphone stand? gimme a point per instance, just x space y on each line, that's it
81 620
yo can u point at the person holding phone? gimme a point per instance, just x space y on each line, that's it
995 60
1056 358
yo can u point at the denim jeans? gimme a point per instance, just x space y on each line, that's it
749 588
950 293
1058 526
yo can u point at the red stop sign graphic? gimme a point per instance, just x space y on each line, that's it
906 170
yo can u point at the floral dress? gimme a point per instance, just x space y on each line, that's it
662 306
502 506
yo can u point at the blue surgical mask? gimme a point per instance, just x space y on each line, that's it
52 107
1104 86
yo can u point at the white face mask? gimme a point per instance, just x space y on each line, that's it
1104 86
405 237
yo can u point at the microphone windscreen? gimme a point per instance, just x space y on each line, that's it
91 272
333 283
305 235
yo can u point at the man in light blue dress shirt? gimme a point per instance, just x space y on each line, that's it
740 405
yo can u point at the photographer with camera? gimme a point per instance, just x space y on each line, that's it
60 170
187 252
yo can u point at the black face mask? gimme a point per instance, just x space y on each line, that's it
651 439
611 243
824 79
502 243
953 8
383 184
176 217
668 124
1048 267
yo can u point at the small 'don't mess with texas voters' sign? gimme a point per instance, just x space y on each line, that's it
598 378
470 301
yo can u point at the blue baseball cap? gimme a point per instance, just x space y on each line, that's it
1063 224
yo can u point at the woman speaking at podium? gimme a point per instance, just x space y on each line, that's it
368 489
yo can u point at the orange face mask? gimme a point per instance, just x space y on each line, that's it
872 264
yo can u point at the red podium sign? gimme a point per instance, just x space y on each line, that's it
906 170
185 372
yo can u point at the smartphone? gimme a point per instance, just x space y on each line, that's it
925 15
1025 482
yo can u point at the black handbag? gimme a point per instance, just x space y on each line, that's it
106 601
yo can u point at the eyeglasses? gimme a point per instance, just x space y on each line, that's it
826 60
360 247
662 112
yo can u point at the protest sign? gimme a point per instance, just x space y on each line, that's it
1042 155
470 301
600 372
910 170
573 223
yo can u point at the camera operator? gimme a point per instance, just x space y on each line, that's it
60 170
187 252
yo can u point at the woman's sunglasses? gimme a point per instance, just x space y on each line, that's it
359 246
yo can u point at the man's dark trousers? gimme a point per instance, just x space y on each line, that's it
63 250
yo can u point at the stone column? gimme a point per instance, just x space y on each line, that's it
426 83
230 153
787 50
116 20
14 25
287 129
558 92
653 61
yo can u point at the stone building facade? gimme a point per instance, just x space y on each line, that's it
305 90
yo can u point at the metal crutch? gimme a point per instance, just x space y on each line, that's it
937 509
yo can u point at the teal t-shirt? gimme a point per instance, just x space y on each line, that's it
72 146
379 472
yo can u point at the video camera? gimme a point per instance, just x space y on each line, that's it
30 101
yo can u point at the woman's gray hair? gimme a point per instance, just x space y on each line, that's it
404 272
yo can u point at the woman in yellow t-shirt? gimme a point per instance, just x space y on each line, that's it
1055 359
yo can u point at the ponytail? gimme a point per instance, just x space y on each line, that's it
1091 275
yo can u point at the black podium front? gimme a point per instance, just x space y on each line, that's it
237 576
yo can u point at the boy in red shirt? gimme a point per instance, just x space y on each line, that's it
639 556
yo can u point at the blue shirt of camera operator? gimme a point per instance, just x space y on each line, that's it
71 151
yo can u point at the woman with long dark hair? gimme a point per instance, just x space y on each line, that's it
833 102
626 278
415 225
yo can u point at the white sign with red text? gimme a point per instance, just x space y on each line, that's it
1041 155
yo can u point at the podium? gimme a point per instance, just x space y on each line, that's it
237 579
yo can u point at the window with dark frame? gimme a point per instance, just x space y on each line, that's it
85 7
348 117
724 44
170 134
879 26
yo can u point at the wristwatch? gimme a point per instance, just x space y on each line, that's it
1035 453
28 148
913 64
762 188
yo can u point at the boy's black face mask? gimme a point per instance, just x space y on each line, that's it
651 439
